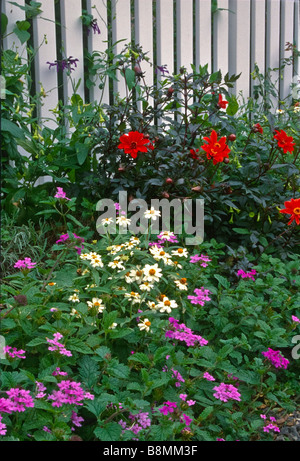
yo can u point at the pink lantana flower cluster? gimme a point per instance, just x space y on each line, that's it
203 258
276 358
25 264
139 422
70 392
64 237
58 346
19 400
246 275
61 194
14 353
226 392
181 332
270 426
201 296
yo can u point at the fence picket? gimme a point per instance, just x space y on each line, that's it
258 35
221 38
239 44
98 43
273 42
203 34
286 35
72 45
165 35
44 37
121 30
184 34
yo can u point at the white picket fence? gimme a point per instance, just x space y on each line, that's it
239 34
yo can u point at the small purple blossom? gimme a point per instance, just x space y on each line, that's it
63 64
56 346
183 333
295 319
14 353
276 358
201 296
208 377
95 27
246 275
225 392
25 264
61 194
163 69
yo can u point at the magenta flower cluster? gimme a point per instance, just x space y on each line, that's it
69 392
64 237
140 421
19 400
61 194
246 275
13 352
202 258
58 346
25 264
270 426
168 407
226 392
276 358
201 296
181 332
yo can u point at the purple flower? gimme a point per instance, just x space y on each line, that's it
226 392
276 358
246 275
61 194
95 27
13 352
25 264
183 333
64 64
162 69
201 296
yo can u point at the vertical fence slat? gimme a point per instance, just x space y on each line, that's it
165 35
273 41
14 14
203 33
286 35
143 15
72 44
239 44
220 38
184 34
46 51
258 35
98 42
121 30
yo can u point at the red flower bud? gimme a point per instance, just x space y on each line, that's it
169 181
197 189
232 137
165 194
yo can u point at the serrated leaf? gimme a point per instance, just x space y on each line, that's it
109 433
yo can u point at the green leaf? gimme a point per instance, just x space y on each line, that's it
119 371
36 342
82 151
109 433
240 230
89 371
4 22
223 281
233 106
79 346
130 78
21 31
205 413
140 357
12 128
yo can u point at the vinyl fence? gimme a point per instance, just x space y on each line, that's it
230 35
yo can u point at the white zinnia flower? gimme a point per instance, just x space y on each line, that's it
152 213
133 296
106 221
152 273
116 263
181 284
180 252
166 305
144 325
123 221
146 286
96 302
74 298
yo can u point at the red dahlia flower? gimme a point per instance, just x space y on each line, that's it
222 103
133 142
194 153
257 128
284 141
217 150
293 208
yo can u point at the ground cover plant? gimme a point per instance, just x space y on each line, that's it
111 335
